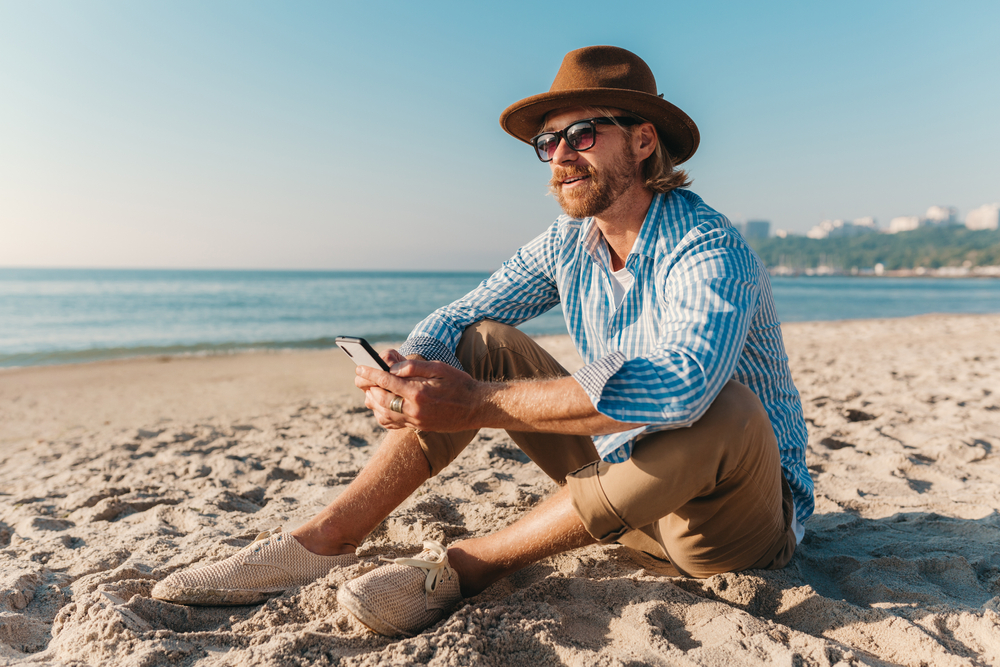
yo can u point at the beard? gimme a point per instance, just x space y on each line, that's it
605 187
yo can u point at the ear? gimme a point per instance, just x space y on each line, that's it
644 141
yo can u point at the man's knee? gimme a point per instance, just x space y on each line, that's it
489 329
738 406
479 338
734 431
491 351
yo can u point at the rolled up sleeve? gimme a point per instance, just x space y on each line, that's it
523 288
708 298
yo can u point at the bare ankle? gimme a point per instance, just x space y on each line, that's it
317 542
471 575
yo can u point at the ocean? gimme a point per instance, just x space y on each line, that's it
59 316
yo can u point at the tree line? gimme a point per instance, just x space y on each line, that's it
928 247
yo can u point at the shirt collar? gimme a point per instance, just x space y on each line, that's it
649 233
645 243
593 242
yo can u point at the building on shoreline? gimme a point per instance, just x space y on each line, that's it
754 229
879 270
839 228
757 229
942 215
904 223
984 217
943 248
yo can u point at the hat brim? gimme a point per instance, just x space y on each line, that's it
523 119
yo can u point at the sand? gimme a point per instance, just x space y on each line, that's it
113 475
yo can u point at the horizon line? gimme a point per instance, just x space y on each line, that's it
6 267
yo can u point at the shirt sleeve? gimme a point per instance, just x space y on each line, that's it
524 287
708 297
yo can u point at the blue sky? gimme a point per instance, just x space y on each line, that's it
364 135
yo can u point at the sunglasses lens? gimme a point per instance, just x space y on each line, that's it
580 136
545 145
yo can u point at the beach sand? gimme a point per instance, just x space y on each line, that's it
114 475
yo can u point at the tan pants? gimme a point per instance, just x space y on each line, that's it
697 501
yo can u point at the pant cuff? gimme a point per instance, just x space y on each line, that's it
591 504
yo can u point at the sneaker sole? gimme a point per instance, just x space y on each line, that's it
208 597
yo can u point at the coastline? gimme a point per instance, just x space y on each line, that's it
113 474
946 272
55 401
53 318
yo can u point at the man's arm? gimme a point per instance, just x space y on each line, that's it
438 397
523 288
712 296
707 303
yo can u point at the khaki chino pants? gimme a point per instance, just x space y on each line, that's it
696 501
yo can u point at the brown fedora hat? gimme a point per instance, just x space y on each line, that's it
605 76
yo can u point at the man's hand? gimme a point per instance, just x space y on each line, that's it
440 398
436 396
391 357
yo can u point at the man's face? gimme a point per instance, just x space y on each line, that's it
588 183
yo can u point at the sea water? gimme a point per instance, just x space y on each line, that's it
53 316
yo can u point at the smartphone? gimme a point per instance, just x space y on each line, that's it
361 352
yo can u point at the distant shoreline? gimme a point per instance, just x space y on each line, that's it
167 355
946 273
60 320
98 357
990 271
937 251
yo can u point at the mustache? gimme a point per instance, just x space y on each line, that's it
560 174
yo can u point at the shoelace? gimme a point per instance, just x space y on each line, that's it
436 569
263 536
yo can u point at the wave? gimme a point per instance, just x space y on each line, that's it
56 357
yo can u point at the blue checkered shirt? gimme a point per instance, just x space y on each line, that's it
699 313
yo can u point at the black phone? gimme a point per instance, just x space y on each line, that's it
361 352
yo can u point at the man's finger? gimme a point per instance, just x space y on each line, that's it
382 401
392 357
379 401
423 369
379 397
386 381
363 384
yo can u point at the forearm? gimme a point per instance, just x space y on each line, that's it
522 288
438 397
545 406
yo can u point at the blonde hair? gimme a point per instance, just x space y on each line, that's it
658 170
660 173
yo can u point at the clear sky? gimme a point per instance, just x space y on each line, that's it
324 135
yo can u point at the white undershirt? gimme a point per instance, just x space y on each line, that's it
797 528
621 281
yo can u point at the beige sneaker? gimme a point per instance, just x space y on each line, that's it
270 565
405 597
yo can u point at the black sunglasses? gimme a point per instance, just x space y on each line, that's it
580 136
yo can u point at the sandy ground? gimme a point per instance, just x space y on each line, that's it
113 475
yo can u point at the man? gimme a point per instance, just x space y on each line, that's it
682 437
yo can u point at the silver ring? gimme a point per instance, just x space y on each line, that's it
397 404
